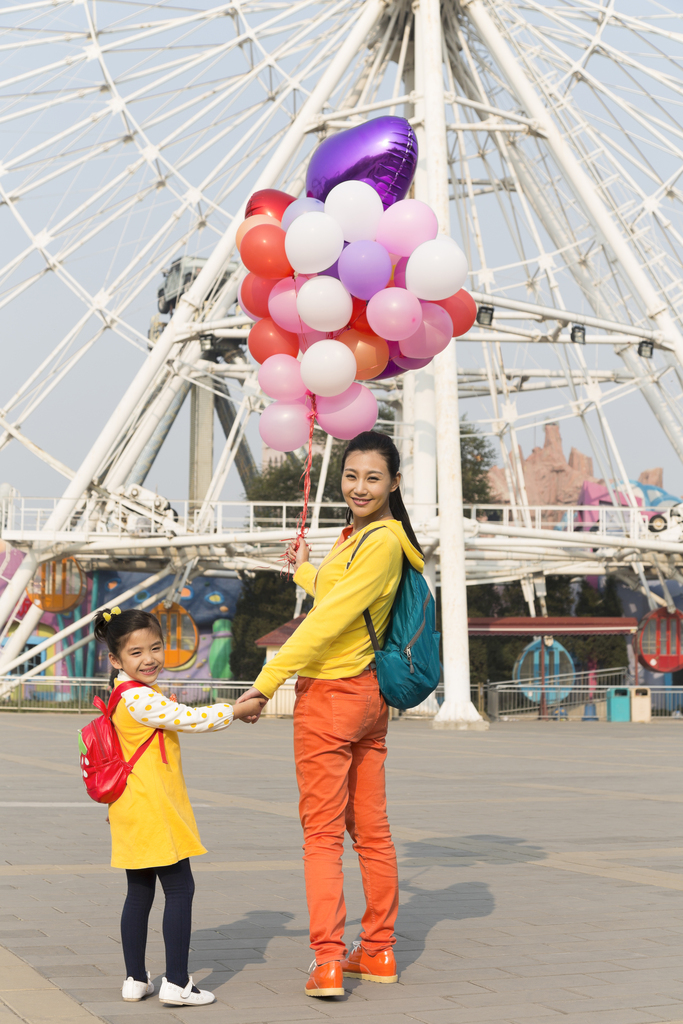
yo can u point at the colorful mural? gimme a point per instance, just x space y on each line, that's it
201 626
211 604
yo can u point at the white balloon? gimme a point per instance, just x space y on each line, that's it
436 269
357 208
313 242
324 304
328 368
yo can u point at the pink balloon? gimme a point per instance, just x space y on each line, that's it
309 338
348 414
243 307
405 225
400 272
432 336
282 303
394 313
284 426
403 361
280 377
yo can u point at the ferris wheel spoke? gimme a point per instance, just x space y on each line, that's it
63 98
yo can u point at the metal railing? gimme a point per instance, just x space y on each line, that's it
582 696
64 694
61 693
607 520
22 519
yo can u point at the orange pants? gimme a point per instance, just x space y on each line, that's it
340 728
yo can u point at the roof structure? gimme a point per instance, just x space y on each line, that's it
278 636
553 626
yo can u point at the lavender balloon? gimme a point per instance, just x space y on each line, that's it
364 268
299 207
381 152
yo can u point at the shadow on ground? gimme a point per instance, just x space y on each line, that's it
232 947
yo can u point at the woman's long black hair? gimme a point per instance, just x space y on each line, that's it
373 441
121 625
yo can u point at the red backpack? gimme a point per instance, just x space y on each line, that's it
105 772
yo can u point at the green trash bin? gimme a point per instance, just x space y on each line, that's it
619 704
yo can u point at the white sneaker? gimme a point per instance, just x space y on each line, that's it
174 995
133 991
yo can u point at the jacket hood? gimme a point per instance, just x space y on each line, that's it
409 550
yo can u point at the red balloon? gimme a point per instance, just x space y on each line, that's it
270 202
255 291
359 320
462 309
263 252
267 339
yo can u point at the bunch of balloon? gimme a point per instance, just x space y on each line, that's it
351 284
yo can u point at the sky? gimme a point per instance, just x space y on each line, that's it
68 422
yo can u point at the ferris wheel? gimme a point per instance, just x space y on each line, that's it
551 146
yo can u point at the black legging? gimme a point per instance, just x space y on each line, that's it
178 886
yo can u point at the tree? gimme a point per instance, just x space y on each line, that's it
477 455
267 600
593 651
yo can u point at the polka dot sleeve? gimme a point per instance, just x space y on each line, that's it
157 711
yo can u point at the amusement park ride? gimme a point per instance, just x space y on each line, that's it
550 145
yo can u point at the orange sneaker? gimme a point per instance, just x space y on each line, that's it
325 979
360 964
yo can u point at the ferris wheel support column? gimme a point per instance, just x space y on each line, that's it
192 300
17 640
457 710
424 403
583 187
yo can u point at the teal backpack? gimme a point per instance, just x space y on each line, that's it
408 667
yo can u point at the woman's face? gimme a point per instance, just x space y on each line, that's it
141 655
366 484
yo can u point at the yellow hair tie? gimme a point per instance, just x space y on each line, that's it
107 616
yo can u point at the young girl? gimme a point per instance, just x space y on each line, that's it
340 716
153 830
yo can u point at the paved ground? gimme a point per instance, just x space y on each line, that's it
541 874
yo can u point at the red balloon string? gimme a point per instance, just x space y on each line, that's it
306 479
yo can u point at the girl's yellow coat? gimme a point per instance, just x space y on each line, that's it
152 823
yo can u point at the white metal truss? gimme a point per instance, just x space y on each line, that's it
552 146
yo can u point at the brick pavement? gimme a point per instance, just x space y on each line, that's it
540 866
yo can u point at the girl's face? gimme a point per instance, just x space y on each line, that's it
141 655
366 484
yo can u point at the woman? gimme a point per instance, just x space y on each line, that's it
340 717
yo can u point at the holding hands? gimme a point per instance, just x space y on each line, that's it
249 706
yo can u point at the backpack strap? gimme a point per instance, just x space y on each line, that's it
353 554
111 708
117 694
371 630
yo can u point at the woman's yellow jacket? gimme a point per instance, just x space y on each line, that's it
332 642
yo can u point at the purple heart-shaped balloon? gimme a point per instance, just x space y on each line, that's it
381 152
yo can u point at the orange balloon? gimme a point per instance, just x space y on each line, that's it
267 339
371 352
263 251
248 224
